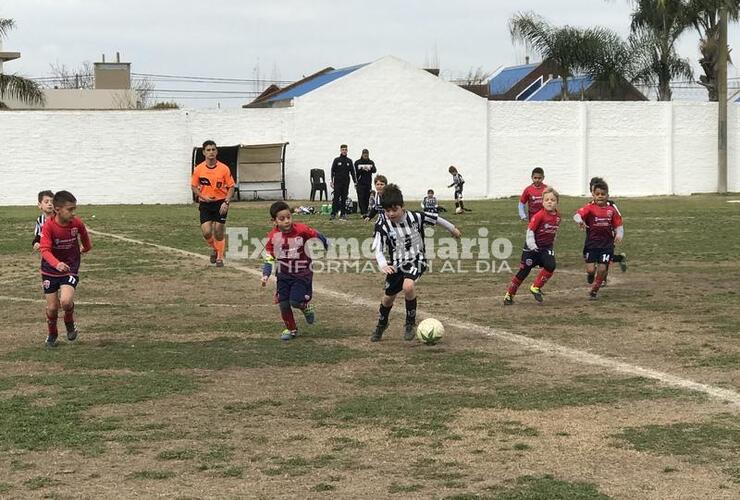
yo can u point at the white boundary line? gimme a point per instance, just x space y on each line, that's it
576 355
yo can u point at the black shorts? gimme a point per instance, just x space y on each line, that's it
394 282
543 257
598 255
294 288
210 211
51 284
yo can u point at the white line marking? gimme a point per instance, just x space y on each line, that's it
42 301
544 346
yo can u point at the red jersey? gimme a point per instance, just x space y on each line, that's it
532 196
62 244
545 226
601 222
289 250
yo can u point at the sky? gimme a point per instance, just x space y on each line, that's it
287 39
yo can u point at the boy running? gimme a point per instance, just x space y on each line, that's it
532 195
603 223
286 248
457 183
620 258
61 236
401 232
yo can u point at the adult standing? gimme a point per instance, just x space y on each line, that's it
213 186
364 169
342 169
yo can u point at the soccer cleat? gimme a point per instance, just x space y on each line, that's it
592 295
310 314
508 299
590 278
378 333
409 331
288 334
219 263
623 262
536 293
51 341
72 331
213 257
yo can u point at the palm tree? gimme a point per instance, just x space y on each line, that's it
656 26
703 15
16 86
561 46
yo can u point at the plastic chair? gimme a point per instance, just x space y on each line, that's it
318 183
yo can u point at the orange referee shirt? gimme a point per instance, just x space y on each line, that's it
212 182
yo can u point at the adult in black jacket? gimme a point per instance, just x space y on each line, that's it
364 168
342 169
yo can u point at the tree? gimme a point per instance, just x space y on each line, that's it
703 15
15 86
656 27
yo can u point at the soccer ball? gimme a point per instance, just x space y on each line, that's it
458 210
430 331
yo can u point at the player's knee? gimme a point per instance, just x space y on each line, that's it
295 304
207 235
52 310
408 289
284 305
67 304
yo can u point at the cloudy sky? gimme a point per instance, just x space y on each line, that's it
286 39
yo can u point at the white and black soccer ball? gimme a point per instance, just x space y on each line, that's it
430 331
458 210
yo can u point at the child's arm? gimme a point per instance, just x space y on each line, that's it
578 217
522 211
380 255
619 227
268 262
46 250
449 226
530 239
85 238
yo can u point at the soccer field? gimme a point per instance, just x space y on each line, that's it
180 387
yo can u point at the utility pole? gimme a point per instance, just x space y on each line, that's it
722 101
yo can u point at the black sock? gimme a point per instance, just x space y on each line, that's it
590 278
411 311
383 314
618 257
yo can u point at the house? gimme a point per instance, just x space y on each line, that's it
542 82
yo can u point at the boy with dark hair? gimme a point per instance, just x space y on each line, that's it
401 232
46 205
620 258
604 225
213 186
285 248
457 183
429 203
532 195
61 236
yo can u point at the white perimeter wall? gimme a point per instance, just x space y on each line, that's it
144 156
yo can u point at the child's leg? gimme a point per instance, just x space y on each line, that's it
300 296
548 268
52 313
386 304
219 243
409 293
600 277
283 297
590 272
525 266
67 297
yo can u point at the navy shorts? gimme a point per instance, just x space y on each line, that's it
51 284
394 282
294 288
598 255
210 211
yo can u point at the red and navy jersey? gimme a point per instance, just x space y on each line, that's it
289 250
601 222
545 226
532 196
62 244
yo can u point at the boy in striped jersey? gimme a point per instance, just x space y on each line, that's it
457 183
375 200
401 232
46 205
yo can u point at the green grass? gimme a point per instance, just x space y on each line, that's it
545 487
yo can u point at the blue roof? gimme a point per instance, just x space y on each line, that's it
508 77
313 83
553 88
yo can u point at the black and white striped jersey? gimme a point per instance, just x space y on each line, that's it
429 204
404 240
457 181
37 229
375 207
